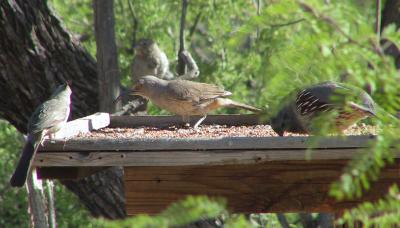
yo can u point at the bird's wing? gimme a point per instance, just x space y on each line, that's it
315 99
329 95
195 92
47 115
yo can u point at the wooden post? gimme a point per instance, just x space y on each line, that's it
37 204
107 55
50 203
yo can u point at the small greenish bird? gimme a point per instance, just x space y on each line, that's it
46 120
335 104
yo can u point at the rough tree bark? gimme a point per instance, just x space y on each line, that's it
107 55
36 54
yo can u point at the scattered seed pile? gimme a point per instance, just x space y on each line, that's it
206 131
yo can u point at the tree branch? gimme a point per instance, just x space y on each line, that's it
282 220
378 20
193 69
196 21
181 69
335 25
288 23
135 22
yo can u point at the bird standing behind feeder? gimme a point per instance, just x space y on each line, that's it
47 119
334 105
150 60
186 98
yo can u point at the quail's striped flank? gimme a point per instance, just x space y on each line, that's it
349 103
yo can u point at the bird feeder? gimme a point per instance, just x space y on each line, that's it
255 174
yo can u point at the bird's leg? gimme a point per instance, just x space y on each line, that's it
43 136
200 121
65 142
186 121
52 136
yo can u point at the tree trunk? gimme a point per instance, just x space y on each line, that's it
391 15
36 55
107 55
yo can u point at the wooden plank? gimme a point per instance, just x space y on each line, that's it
163 121
67 173
223 143
71 129
184 158
275 186
83 125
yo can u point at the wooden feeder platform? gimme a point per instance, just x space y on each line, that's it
254 174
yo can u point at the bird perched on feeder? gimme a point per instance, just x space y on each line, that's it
47 119
341 105
185 98
150 60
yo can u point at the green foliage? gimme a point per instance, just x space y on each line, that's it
384 213
14 202
182 213
336 42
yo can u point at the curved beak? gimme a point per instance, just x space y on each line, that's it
126 93
368 111
278 131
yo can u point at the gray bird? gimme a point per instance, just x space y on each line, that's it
150 60
47 119
185 98
337 104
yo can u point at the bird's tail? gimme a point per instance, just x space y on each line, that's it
225 102
21 172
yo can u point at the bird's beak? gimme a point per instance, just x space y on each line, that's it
278 131
127 93
369 112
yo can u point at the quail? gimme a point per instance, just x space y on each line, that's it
150 60
337 104
186 98
47 119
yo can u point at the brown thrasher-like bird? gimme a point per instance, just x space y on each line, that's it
185 98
